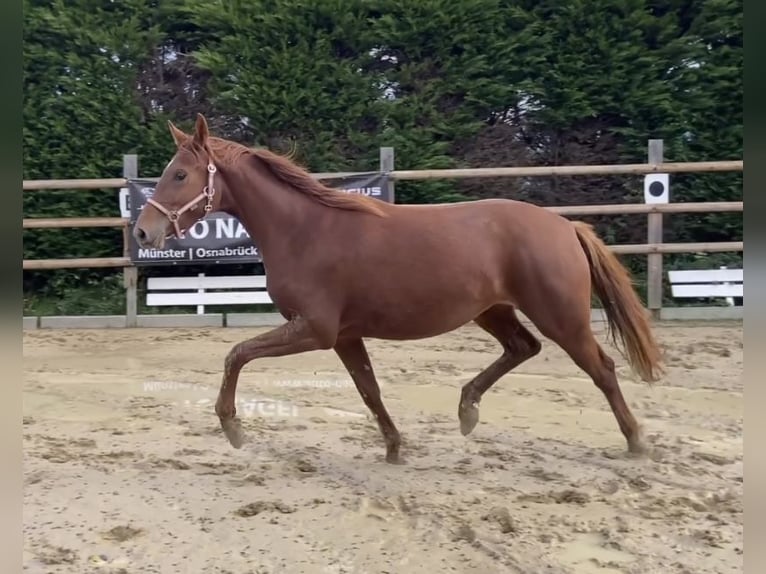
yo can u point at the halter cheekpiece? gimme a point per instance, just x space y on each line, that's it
207 194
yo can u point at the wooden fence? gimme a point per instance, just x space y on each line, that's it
654 248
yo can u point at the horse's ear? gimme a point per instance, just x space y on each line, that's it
200 131
178 136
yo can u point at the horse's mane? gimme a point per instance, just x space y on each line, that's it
228 153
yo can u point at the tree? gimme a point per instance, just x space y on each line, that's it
80 116
475 83
449 68
289 76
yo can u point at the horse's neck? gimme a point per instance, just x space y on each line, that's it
270 211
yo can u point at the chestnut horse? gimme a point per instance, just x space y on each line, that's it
342 267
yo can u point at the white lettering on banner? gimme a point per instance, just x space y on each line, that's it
147 192
225 228
161 253
200 229
364 190
203 253
241 231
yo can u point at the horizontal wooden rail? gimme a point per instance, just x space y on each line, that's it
38 184
85 263
632 208
320 175
627 249
71 222
609 209
636 168
528 171
111 183
339 174
641 248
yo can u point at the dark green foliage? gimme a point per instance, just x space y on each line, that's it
81 114
292 69
474 83
449 68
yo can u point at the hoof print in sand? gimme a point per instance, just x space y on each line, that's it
503 519
304 466
569 496
52 555
464 533
122 533
261 506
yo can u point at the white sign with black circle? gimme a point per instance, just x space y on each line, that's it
656 188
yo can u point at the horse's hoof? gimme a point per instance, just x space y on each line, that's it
232 428
637 445
394 458
638 449
469 417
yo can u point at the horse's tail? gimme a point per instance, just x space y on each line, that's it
626 316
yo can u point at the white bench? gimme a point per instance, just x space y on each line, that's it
206 290
701 283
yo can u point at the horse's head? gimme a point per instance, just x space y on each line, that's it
186 191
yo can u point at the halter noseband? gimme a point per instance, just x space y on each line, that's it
207 194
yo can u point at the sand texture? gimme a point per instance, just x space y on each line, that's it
127 471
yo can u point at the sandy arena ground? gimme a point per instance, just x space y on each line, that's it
126 470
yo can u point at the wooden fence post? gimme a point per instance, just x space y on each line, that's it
387 164
130 273
654 235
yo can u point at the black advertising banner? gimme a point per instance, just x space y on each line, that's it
373 184
221 238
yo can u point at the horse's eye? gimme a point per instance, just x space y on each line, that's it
180 175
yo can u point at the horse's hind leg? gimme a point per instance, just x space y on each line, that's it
353 354
518 344
571 330
590 357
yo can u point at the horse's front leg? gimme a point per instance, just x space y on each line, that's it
295 336
354 356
